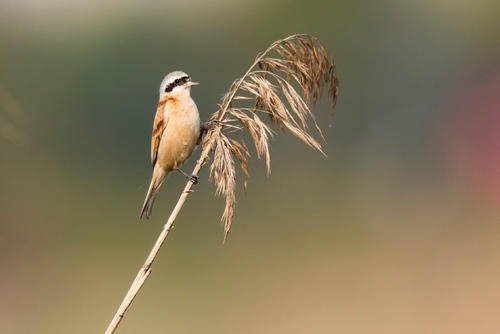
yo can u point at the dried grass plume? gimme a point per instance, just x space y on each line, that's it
282 86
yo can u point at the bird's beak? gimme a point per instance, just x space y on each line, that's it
191 83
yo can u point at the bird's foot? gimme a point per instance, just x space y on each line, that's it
210 124
204 127
191 177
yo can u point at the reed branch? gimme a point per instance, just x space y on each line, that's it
301 65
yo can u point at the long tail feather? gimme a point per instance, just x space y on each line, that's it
157 179
148 201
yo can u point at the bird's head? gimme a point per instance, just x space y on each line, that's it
176 83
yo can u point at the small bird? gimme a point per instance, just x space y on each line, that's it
176 132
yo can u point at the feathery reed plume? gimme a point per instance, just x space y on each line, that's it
283 84
284 87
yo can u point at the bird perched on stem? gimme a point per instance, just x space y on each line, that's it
176 132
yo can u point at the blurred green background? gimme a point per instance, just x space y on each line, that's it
396 232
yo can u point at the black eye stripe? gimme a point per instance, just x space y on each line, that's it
176 83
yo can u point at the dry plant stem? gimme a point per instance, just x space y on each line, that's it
145 270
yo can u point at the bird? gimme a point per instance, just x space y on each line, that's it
176 132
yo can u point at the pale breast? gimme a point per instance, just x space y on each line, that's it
181 133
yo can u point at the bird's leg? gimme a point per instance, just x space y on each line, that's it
192 177
204 127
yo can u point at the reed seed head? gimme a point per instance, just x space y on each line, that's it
282 85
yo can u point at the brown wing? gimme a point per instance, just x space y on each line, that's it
158 127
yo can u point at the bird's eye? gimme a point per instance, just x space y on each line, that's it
177 81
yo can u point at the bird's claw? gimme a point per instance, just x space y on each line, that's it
210 124
193 178
213 123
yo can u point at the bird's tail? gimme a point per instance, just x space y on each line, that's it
156 182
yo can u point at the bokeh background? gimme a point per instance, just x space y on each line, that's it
397 231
